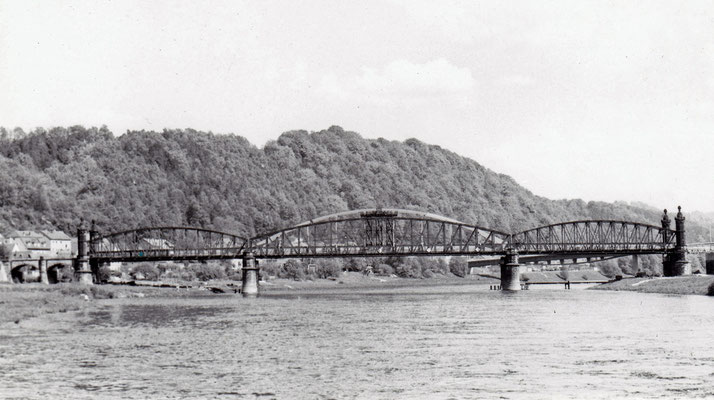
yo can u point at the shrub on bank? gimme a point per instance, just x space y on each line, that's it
458 266
93 292
207 272
384 269
710 289
270 269
292 269
329 269
408 269
356 264
105 273
435 265
146 271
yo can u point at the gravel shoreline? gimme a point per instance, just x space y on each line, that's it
683 285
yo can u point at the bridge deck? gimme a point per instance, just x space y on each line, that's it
385 233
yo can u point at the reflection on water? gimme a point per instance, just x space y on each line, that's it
154 315
445 342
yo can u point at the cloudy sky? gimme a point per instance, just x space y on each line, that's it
602 100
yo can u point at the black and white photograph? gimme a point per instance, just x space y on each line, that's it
367 200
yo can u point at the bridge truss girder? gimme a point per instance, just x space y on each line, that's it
379 233
167 243
390 232
594 237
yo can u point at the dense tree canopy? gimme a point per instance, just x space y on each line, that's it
52 178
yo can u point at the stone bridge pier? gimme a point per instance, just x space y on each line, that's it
510 271
674 262
250 276
4 273
710 263
43 271
82 270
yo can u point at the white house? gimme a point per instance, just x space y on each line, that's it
60 243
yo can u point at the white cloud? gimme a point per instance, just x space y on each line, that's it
403 77
401 80
517 80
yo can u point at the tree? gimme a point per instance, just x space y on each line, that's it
292 269
195 215
105 273
410 267
458 266
384 269
39 200
329 268
207 272
609 268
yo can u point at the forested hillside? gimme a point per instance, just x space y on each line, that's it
51 178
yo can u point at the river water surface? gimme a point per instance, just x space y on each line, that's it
455 342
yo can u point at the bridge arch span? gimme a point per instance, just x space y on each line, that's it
25 272
378 232
166 243
593 237
59 271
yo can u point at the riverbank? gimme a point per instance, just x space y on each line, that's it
23 301
356 280
694 284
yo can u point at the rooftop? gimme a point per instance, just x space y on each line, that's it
56 235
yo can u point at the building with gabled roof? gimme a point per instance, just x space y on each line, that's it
47 244
60 243
33 241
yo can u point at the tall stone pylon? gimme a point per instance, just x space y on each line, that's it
82 271
675 260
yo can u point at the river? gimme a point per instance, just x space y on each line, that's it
449 342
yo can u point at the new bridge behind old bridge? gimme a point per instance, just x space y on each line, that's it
389 232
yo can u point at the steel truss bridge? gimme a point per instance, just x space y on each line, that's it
384 232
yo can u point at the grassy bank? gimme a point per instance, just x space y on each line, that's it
694 284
